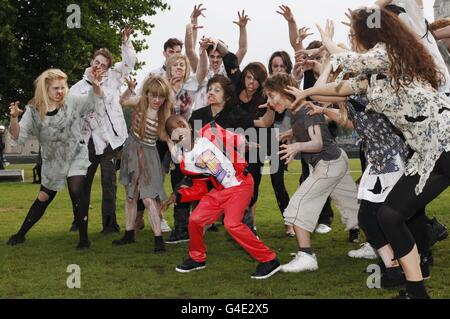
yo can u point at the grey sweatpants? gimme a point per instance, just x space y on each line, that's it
327 178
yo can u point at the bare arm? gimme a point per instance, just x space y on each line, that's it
267 119
383 3
190 47
14 127
197 12
332 114
327 38
129 98
442 33
313 146
202 68
242 23
286 12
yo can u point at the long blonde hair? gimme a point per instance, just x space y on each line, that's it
41 100
156 86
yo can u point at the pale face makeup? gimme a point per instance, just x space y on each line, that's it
278 65
56 91
216 95
277 102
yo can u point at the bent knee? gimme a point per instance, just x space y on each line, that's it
43 196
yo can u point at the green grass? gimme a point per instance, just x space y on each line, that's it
37 269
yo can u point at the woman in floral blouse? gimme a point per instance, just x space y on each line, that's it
401 84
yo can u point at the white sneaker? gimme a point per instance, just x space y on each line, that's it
366 251
322 229
301 262
165 228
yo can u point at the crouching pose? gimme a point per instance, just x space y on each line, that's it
55 117
212 159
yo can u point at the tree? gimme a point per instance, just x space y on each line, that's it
35 35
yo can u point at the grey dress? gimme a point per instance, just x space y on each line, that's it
64 153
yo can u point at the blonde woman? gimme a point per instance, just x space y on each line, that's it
55 117
141 171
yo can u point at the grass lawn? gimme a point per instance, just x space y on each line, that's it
38 268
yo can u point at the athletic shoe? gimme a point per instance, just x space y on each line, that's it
366 252
177 237
190 265
403 294
438 231
165 228
290 234
267 269
353 235
322 229
301 262
15 240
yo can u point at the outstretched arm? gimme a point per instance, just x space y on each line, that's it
129 98
202 68
314 146
286 12
190 46
242 23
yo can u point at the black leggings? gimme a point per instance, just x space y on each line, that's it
277 179
79 205
401 205
255 170
418 226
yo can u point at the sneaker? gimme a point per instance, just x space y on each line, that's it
366 251
290 234
177 237
322 229
438 231
15 240
353 235
267 269
190 265
165 228
403 294
301 262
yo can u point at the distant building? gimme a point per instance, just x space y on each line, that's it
441 9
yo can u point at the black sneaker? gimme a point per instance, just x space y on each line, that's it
267 269
85 244
391 280
425 267
177 237
190 265
353 235
403 294
74 227
438 231
15 240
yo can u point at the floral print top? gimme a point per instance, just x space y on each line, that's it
416 109
382 144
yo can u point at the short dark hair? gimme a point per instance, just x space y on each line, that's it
106 53
314 45
172 42
286 61
228 89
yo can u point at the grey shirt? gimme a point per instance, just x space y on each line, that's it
301 121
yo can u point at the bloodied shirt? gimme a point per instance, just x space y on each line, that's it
206 158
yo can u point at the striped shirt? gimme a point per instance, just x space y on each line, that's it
151 127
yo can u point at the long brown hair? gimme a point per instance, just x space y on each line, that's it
409 59
155 86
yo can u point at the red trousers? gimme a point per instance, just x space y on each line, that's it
231 202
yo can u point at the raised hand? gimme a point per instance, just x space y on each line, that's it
297 93
126 33
14 111
243 19
314 109
303 34
309 54
348 14
131 83
285 137
97 80
328 33
286 12
198 11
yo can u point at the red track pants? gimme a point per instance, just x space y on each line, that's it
231 202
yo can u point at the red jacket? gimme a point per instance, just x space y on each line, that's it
223 140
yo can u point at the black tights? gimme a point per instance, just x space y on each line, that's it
402 202
79 206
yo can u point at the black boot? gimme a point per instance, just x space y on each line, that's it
15 240
74 227
128 238
83 244
159 245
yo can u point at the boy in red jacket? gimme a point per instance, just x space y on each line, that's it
212 161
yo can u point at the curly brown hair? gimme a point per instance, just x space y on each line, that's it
279 82
409 59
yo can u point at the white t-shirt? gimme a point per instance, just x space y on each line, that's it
206 158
